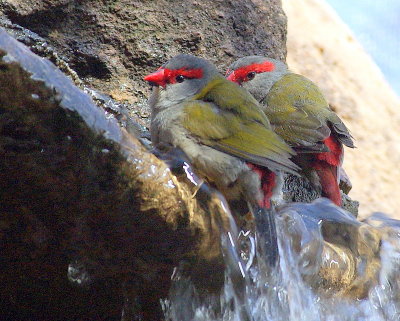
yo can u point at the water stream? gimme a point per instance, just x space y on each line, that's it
332 267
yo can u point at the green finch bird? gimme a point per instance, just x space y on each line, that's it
223 132
299 113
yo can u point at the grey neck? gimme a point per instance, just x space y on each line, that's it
262 83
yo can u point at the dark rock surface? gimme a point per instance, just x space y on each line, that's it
112 44
299 189
91 224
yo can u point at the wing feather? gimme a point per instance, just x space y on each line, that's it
244 134
303 118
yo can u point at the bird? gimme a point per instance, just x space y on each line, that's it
300 114
221 129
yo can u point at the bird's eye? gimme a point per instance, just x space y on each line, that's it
251 75
179 78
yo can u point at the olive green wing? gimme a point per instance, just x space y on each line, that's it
340 129
298 112
244 137
230 97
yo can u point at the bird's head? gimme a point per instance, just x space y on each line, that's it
181 78
256 73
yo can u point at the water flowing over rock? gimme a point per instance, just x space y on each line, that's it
96 225
79 192
332 267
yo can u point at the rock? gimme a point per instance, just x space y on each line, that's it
102 220
81 195
299 189
113 44
345 184
338 255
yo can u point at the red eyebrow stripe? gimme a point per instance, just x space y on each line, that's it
240 74
170 74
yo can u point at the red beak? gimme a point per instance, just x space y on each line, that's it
232 77
157 78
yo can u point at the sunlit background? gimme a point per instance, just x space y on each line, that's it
376 25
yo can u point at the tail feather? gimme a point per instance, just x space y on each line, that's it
328 179
266 234
326 166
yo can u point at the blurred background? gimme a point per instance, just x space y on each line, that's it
376 25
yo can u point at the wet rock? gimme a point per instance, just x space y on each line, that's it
345 184
350 205
84 203
299 189
338 255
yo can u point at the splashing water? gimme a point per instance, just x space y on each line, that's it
332 267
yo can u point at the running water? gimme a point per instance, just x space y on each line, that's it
332 267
